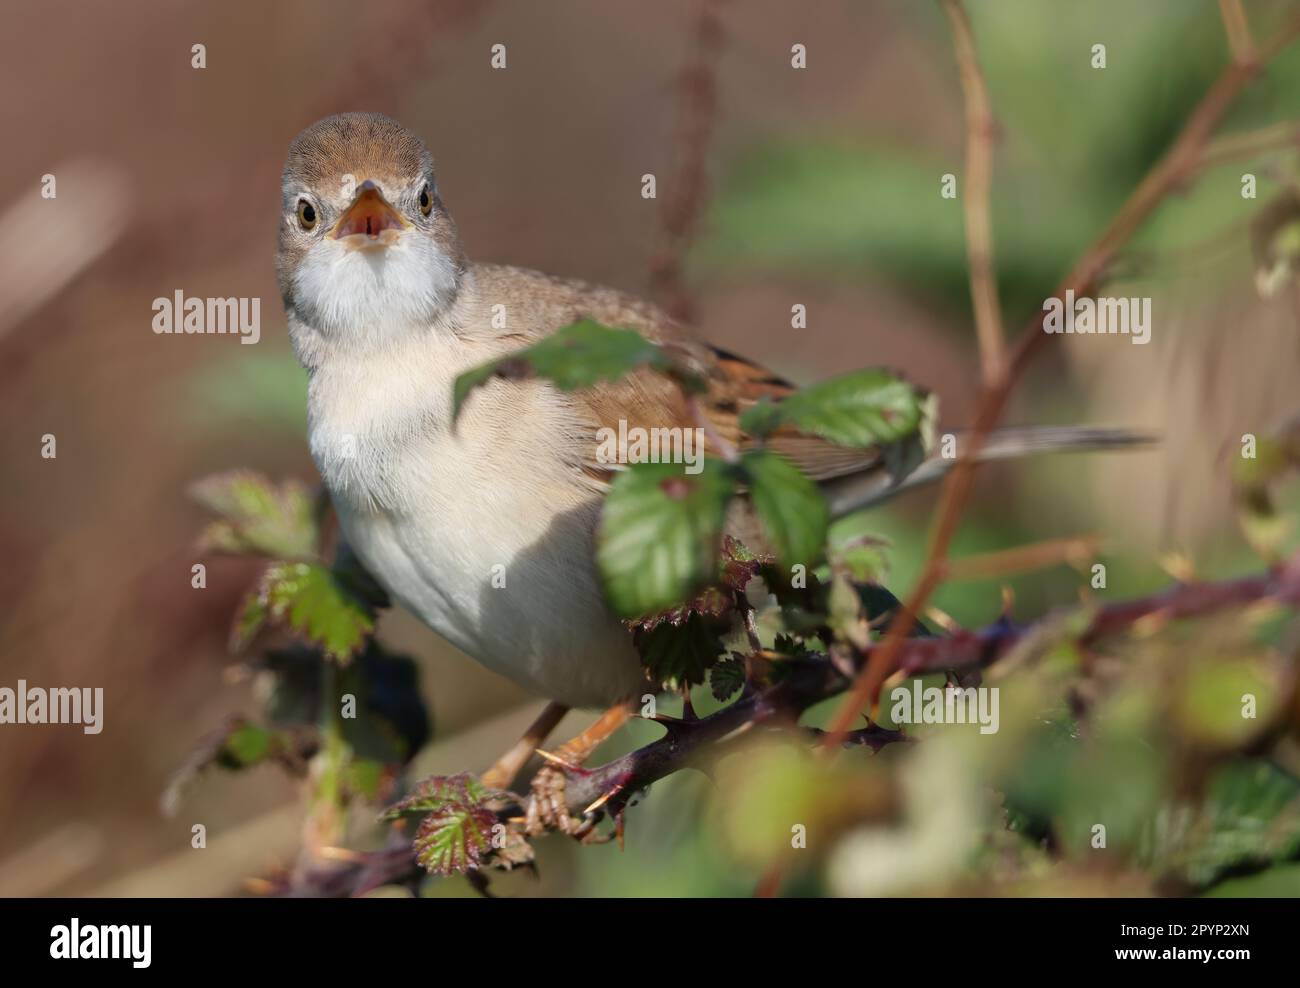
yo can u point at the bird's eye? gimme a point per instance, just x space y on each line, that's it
426 202
306 214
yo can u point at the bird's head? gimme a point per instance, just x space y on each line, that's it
367 250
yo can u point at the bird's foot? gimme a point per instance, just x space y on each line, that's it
548 808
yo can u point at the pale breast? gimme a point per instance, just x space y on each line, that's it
485 531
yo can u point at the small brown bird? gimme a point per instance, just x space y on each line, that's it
385 310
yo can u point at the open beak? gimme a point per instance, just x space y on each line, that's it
370 221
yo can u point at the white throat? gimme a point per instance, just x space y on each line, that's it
368 299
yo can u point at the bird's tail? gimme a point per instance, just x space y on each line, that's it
870 487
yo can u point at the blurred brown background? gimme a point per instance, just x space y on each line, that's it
169 179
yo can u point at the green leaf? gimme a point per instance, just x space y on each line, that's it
256 516
680 654
456 833
659 532
1250 817
864 408
438 791
312 603
249 620
577 356
791 647
454 839
762 418
247 744
793 512
737 567
711 602
236 745
726 677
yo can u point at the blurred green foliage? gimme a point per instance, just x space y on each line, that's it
1074 141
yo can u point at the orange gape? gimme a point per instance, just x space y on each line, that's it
369 215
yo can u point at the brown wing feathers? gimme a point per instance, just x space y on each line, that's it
649 400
